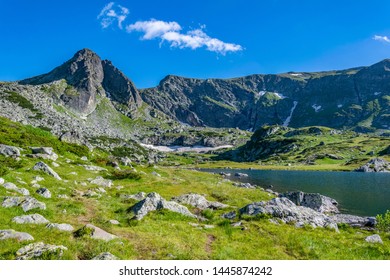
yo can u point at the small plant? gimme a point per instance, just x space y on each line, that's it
208 214
383 221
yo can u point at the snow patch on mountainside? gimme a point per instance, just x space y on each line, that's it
287 121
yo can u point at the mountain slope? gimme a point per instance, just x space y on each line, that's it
347 98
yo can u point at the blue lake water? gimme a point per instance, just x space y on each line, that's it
365 194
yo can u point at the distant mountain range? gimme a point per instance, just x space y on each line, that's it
88 88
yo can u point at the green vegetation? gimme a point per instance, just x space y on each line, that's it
384 221
220 104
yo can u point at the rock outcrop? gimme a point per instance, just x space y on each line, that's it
36 250
61 227
12 187
95 233
153 202
315 201
30 219
41 166
375 165
10 151
11 234
105 256
27 203
288 212
198 201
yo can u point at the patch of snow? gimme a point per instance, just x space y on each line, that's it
377 93
316 107
340 105
287 121
196 149
296 74
261 93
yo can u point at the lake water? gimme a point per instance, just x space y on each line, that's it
365 194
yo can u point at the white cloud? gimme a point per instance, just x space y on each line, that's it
171 32
153 28
381 38
111 13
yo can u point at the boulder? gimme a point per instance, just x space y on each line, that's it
13 187
153 202
354 221
61 227
44 153
27 203
375 165
106 256
44 192
9 151
240 175
2 181
93 168
11 234
315 201
100 181
114 222
374 239
95 233
288 212
198 201
244 185
41 166
30 219
35 250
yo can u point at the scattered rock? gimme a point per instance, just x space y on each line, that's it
240 175
62 227
44 192
315 201
114 222
230 215
225 174
100 181
35 250
9 151
93 168
153 202
84 158
13 187
38 178
95 233
63 196
27 203
138 196
374 239
244 185
41 166
375 165
11 234
55 164
156 174
125 161
1 181
198 201
30 219
37 186
106 256
91 193
287 211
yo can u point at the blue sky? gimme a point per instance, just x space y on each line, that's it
148 40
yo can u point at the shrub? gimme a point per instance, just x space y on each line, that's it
383 221
125 174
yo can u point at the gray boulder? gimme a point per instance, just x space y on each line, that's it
12 187
240 175
11 234
354 221
198 201
35 250
100 181
27 203
44 192
315 201
106 256
30 219
62 227
375 165
97 233
288 212
153 202
114 222
93 168
11 151
41 166
374 239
